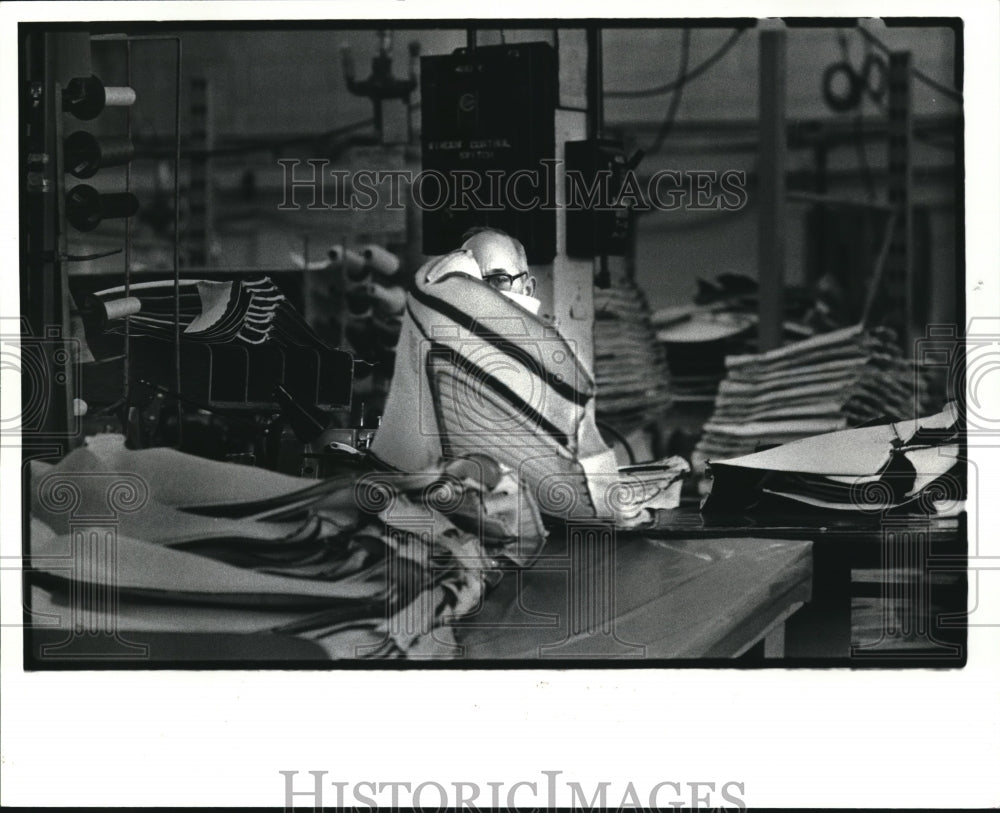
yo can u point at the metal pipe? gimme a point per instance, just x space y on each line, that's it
771 160
595 81
127 374
177 238
129 39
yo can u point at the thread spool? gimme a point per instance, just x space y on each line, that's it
85 153
86 96
86 207
348 259
119 96
391 299
120 308
381 260
97 312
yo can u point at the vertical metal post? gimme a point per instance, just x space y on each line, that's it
199 231
595 81
595 120
568 283
126 364
771 161
899 268
61 268
177 242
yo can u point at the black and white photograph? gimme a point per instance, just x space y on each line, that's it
416 350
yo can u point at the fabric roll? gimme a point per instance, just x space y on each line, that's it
382 261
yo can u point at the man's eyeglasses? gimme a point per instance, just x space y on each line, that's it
504 282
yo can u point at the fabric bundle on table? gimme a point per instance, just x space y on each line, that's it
369 566
821 384
912 466
630 370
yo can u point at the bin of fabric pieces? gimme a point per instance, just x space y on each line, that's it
821 384
630 370
904 467
238 340
476 372
375 565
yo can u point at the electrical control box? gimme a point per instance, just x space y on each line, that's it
597 223
488 146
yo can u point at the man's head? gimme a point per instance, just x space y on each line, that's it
502 260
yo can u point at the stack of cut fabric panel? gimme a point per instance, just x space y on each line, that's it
907 467
822 384
633 382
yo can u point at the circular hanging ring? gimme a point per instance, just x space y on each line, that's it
875 65
848 100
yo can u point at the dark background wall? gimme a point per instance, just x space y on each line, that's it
268 85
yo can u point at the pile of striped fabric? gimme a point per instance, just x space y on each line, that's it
822 384
249 311
364 565
630 367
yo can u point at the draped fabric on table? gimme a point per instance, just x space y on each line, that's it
369 565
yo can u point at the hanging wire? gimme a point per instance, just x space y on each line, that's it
694 73
952 94
272 145
675 100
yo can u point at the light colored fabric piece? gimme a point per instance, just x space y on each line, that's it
145 616
908 466
856 452
145 568
418 546
529 303
154 522
178 479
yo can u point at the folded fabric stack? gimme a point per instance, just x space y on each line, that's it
630 369
821 384
907 467
374 566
